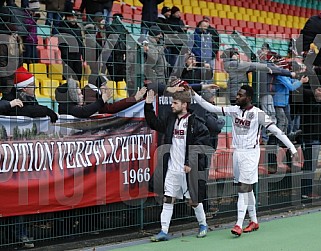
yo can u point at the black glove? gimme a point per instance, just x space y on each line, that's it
53 116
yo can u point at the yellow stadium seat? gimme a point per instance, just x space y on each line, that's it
242 10
254 19
168 3
263 14
289 18
277 16
129 2
218 6
268 20
197 11
113 86
210 5
246 17
249 12
282 23
25 65
214 13
206 12
256 13
176 2
289 24
55 71
186 2
121 90
234 9
203 4
85 75
261 19
222 14
137 3
220 79
227 8
275 21
188 9
230 15
47 85
194 3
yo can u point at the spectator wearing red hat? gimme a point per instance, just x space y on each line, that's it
24 90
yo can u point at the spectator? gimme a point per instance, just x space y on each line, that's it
108 7
10 60
202 47
162 18
31 39
116 63
179 174
265 86
149 14
281 87
55 9
310 113
24 89
91 7
238 69
72 54
92 93
215 41
196 72
71 100
175 26
155 65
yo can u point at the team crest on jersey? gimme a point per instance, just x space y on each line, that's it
185 125
250 115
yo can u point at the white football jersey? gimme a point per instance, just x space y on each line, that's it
178 148
246 125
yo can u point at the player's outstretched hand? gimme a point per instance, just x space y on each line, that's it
150 97
294 155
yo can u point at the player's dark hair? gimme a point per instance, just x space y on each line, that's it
183 96
249 90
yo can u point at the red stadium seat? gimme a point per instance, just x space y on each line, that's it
47 56
220 28
242 23
255 31
226 21
198 18
234 22
192 23
77 4
137 17
189 17
258 26
273 28
250 25
217 20
239 29
117 8
126 9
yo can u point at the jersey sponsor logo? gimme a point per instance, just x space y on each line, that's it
242 122
179 134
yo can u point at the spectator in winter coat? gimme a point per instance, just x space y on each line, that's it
31 39
149 13
162 18
24 90
54 10
70 54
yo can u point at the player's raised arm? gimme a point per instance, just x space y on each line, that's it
206 105
281 136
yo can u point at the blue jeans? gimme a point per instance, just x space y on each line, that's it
53 20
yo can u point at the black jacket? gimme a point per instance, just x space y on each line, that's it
30 108
311 28
79 111
150 11
65 48
197 135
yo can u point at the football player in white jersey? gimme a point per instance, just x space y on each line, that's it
246 123
185 134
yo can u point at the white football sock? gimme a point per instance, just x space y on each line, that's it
166 216
251 207
200 214
242 204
